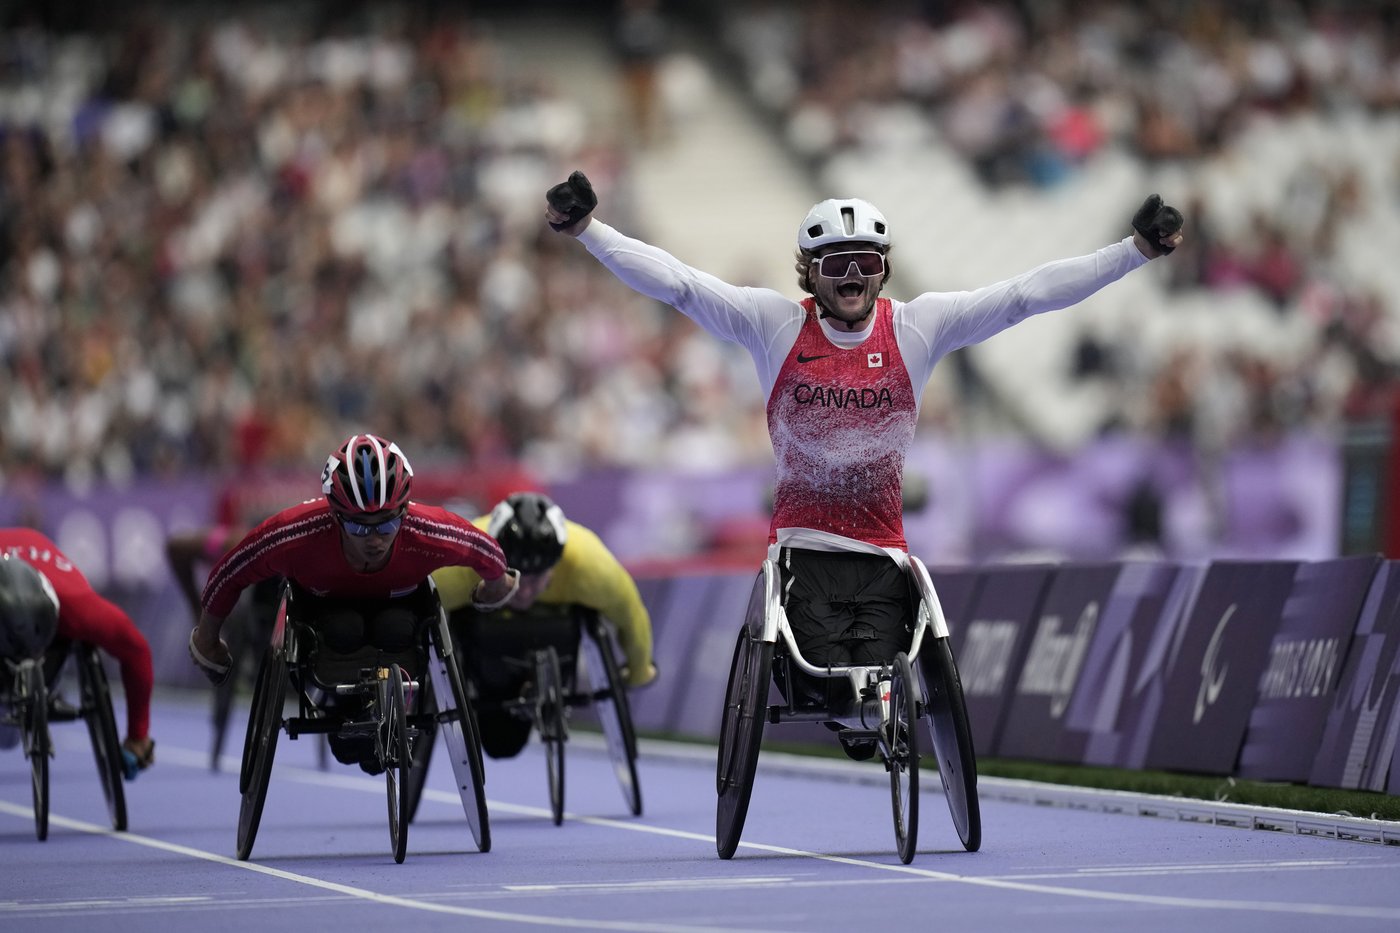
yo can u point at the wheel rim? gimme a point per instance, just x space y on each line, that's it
264 751
102 730
951 735
614 714
36 744
462 743
903 758
552 727
398 754
741 737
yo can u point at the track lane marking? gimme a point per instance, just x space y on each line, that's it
191 758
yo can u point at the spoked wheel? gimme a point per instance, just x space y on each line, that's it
613 710
740 735
952 740
264 724
238 646
102 730
397 753
34 728
416 776
901 741
458 726
554 729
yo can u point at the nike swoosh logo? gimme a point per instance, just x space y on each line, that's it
808 359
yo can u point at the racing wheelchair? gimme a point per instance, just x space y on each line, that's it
884 703
30 706
529 671
372 698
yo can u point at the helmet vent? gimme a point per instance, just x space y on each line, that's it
814 231
848 220
879 227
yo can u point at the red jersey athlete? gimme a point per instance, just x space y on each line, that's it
85 616
365 539
844 371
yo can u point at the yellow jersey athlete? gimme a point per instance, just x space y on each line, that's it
564 568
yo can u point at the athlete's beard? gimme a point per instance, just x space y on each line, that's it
827 312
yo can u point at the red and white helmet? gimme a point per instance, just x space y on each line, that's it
367 475
843 220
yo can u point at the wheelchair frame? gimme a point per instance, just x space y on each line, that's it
28 702
549 700
402 736
885 702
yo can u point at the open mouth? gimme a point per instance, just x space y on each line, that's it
850 289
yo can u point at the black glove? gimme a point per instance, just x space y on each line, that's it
1155 220
574 197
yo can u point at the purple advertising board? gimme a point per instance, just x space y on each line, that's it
1120 683
1063 629
1213 676
713 606
956 587
1305 665
1358 738
989 648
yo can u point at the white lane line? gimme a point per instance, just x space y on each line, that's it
1280 907
390 900
368 785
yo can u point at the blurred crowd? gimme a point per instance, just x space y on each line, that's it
227 238
1031 94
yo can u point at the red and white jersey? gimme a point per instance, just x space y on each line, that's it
841 420
916 333
302 543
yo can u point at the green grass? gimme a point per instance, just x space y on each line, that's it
1197 787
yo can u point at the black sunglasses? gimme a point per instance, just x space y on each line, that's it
836 265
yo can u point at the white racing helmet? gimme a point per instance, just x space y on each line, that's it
843 220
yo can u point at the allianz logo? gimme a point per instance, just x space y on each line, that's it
1055 657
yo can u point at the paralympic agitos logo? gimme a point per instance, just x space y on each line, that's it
841 397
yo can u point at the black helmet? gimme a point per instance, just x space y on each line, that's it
28 610
530 529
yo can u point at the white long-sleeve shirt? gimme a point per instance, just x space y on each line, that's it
766 322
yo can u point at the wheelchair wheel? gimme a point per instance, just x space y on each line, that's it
416 775
397 751
553 727
613 710
96 708
740 735
902 756
952 740
463 742
38 746
241 648
264 724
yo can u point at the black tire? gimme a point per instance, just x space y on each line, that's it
952 739
264 725
96 708
38 746
552 725
902 756
458 726
741 734
425 709
614 711
397 751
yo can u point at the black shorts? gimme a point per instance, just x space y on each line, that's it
845 608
